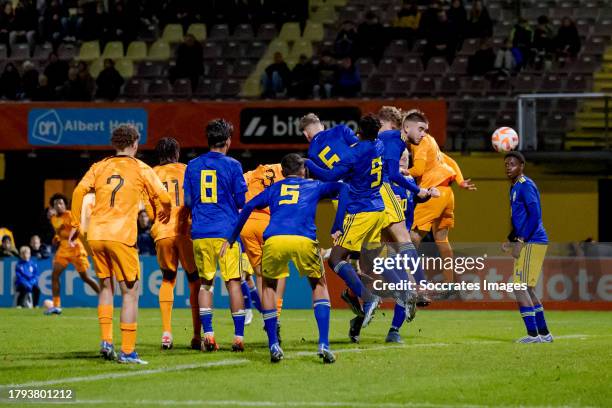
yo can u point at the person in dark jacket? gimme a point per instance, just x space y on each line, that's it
144 241
479 24
38 249
109 81
568 40
10 82
6 249
276 77
348 82
189 63
302 79
26 280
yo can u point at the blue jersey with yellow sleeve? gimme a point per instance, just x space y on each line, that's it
293 206
394 148
526 211
330 146
214 191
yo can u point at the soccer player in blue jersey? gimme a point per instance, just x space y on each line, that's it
215 191
291 237
327 146
528 244
361 169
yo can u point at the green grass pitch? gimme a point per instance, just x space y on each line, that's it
450 358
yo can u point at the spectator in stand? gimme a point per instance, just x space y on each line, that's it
189 55
7 20
7 250
348 82
38 249
74 89
144 241
25 24
302 79
406 25
543 43
44 92
10 82
371 38
325 77
441 40
95 24
5 231
26 280
479 24
276 78
56 71
123 24
482 62
457 17
89 84
522 39
346 40
429 18
109 81
52 24
567 41
507 59
29 79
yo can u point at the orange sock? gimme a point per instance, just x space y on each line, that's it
279 306
128 337
56 301
166 300
194 289
105 317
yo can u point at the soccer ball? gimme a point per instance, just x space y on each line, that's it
504 139
48 304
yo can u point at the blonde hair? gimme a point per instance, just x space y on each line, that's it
23 249
391 114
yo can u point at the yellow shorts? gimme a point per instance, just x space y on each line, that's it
245 265
362 228
279 250
206 254
172 250
112 258
528 266
76 256
437 212
393 207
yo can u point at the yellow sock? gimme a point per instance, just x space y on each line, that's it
279 306
56 301
128 337
166 300
105 317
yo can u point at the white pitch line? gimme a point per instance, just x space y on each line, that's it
131 373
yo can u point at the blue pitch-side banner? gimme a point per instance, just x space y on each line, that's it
75 294
83 127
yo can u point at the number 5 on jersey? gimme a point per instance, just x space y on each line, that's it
291 194
376 171
208 186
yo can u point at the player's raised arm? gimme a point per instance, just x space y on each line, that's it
240 187
349 136
463 183
392 169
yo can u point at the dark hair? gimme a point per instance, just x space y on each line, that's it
168 150
58 196
308 120
218 131
124 136
4 238
292 164
414 115
517 155
369 126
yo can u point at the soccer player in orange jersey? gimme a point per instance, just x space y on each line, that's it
61 220
432 169
173 242
118 182
252 234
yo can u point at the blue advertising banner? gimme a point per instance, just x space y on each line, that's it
76 294
82 127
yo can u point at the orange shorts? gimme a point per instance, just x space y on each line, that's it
112 258
76 256
252 237
437 212
172 250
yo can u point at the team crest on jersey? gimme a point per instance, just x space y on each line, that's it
514 196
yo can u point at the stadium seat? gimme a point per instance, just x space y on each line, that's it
551 84
159 88
212 50
603 28
449 86
3 52
290 32
198 30
373 86
300 47
425 87
113 50
244 32
181 88
324 14
67 52
411 66
218 70
137 50
150 69
387 67
125 67
256 50
243 69
251 88
313 31
399 87
220 32
173 33
267 32
336 3
230 88
594 46
365 66
470 46
500 86
275 46
135 88
233 50
398 49
207 89
89 51
577 83
20 52
159 51
524 84
459 65
95 67
41 52
584 65
437 66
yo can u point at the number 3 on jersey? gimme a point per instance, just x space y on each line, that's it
376 171
290 191
208 186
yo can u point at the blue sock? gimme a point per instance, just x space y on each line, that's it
540 320
239 317
322 309
410 251
399 316
349 276
419 275
270 319
255 300
206 316
530 321
246 294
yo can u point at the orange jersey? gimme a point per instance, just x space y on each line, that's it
261 178
62 224
119 183
172 176
430 166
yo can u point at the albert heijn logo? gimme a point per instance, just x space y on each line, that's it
47 127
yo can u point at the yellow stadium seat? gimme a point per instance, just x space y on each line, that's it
89 51
261 66
125 68
137 50
312 4
173 33
336 3
113 50
198 31
160 51
96 67
251 88
290 32
291 62
275 46
324 14
313 31
300 47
